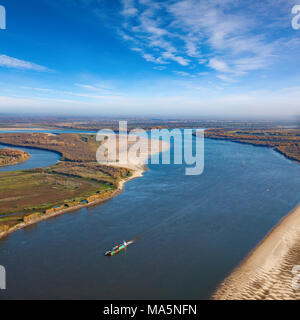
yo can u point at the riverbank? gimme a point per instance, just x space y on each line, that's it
119 190
283 141
136 170
266 274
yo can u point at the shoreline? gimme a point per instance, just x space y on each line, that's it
256 145
137 172
266 273
31 148
14 163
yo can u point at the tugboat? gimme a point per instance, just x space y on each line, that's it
116 249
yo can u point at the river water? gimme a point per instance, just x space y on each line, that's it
38 158
191 231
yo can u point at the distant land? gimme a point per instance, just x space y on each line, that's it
284 140
98 123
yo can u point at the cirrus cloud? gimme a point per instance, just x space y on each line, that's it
218 32
10 62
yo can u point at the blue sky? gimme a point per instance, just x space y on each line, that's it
143 57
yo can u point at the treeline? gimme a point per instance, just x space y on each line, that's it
71 146
11 156
285 141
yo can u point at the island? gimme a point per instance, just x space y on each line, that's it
11 156
76 181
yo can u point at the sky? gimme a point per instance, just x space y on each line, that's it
193 58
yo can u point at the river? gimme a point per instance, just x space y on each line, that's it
192 231
38 158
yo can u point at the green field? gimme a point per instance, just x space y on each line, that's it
68 183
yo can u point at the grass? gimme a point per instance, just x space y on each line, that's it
71 181
35 190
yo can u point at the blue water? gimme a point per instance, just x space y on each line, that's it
38 158
192 231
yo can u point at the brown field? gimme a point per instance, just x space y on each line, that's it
37 190
73 147
92 171
77 179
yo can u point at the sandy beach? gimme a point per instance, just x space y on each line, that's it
266 274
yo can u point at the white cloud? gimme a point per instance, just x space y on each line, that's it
218 32
182 61
244 65
129 10
150 58
101 87
91 92
225 78
137 49
183 73
219 65
10 62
